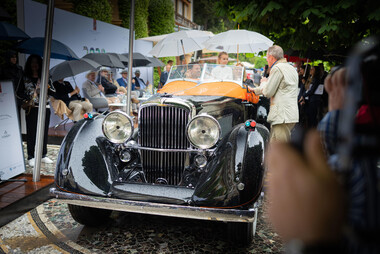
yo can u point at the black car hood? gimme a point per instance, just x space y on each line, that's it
199 102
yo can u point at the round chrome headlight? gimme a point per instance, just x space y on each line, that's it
117 127
203 131
125 155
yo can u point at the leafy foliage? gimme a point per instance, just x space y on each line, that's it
156 77
97 9
10 7
161 17
260 62
328 28
141 16
207 18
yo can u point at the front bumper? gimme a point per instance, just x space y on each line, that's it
191 212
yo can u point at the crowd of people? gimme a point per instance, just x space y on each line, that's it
99 91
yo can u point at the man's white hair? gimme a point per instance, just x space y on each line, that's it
276 51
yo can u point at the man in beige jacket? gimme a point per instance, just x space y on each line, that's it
282 88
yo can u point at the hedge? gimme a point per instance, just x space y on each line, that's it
97 9
161 17
141 16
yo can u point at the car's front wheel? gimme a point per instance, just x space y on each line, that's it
89 216
242 232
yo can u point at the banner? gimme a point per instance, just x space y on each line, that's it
11 152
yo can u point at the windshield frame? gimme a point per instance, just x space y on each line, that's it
204 68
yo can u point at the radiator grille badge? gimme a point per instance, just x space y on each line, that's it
161 181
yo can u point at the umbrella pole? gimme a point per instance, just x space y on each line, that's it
183 48
43 92
75 81
237 55
307 61
130 56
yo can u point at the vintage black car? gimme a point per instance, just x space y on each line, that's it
197 152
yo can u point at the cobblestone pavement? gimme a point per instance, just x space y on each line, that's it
49 228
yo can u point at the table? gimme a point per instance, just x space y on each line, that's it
122 106
117 104
142 99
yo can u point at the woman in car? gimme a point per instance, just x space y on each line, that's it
222 72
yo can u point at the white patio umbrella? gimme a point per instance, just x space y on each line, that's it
180 43
238 41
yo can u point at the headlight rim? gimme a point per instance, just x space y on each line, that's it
124 114
207 116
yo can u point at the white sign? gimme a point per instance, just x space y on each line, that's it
319 89
11 152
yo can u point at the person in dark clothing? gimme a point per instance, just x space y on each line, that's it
110 89
72 98
325 95
139 82
266 71
313 97
164 76
303 75
33 68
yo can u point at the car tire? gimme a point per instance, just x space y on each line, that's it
89 216
242 232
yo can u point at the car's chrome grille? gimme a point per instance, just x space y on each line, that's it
163 127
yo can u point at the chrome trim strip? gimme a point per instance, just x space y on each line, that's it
189 150
181 211
178 101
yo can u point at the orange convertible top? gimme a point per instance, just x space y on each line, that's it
228 89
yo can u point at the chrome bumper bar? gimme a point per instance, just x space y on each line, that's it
191 212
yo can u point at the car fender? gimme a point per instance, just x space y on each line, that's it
234 176
85 160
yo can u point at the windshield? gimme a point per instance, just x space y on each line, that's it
201 73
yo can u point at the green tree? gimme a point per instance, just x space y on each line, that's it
156 76
10 7
97 9
161 17
327 27
207 17
260 62
141 16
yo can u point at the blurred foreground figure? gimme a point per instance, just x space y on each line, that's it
332 205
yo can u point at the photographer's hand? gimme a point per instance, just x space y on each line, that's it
335 85
305 200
